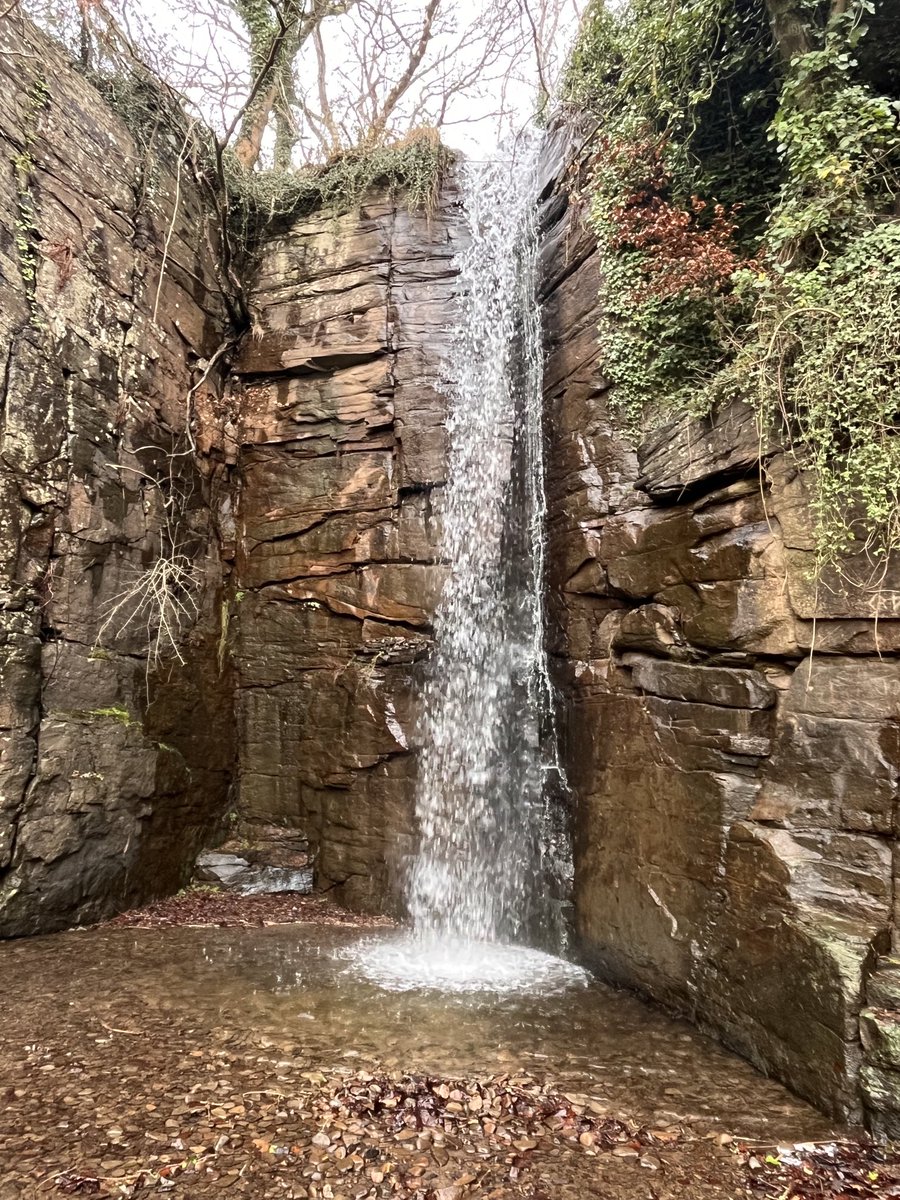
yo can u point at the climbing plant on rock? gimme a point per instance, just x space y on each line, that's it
742 182
411 168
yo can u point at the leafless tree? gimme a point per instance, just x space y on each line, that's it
292 81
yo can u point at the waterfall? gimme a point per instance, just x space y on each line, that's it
487 767
491 871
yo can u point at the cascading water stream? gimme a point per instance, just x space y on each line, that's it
491 868
484 774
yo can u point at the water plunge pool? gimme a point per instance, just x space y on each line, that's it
207 1061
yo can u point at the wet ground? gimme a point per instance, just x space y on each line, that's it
256 1062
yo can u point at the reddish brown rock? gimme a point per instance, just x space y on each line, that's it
338 530
734 764
112 772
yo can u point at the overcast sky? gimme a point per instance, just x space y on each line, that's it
472 125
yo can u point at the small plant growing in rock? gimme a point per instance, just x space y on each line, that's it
163 600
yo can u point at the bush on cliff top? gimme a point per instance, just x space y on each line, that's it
742 182
411 167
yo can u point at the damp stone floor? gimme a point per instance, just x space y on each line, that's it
256 1062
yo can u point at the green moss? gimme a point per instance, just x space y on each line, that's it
116 714
262 201
199 889
698 103
27 235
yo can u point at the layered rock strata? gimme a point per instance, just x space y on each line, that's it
732 728
114 762
179 522
343 457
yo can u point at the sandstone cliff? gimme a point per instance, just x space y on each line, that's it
343 454
734 761
731 729
291 492
114 766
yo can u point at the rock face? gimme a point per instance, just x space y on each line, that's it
734 763
343 454
217 589
288 509
113 767
188 552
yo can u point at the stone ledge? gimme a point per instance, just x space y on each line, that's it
724 686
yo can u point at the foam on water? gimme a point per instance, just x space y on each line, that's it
412 963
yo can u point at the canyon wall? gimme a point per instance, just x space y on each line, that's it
732 728
219 562
276 514
113 766
343 457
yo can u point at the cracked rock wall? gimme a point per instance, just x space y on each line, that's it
343 458
303 488
734 763
111 772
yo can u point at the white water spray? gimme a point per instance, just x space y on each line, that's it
490 869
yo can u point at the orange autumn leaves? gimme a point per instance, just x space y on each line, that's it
685 250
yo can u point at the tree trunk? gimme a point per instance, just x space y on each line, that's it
249 144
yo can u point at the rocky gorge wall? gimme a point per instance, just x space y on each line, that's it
293 485
343 457
732 728
113 766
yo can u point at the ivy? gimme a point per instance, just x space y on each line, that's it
260 201
825 368
743 184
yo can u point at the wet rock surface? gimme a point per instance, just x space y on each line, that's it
299 494
237 874
734 766
256 1062
113 769
343 456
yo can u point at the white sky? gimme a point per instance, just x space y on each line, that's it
472 125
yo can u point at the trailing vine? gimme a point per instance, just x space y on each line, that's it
261 201
743 183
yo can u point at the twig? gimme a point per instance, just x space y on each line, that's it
112 1029
221 350
171 230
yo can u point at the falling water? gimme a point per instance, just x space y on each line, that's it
481 795
490 870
